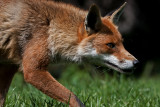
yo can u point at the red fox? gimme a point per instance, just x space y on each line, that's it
34 33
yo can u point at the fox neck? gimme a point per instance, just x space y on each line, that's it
63 33
64 43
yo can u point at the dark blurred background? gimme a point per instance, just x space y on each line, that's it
139 25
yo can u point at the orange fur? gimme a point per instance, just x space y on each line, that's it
34 32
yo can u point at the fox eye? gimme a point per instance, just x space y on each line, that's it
111 45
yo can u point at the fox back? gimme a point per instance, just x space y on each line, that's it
21 19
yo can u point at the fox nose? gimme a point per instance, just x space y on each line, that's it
135 62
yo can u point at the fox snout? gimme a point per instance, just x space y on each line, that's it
135 62
122 65
133 65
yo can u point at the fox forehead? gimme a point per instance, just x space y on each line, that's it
109 28
108 33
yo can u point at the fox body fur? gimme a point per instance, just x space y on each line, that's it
34 32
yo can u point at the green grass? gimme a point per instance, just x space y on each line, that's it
100 91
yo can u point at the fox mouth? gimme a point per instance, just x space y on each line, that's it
115 67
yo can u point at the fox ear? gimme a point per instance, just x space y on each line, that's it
93 20
116 15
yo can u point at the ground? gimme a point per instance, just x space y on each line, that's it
94 91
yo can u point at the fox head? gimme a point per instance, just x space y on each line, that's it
101 42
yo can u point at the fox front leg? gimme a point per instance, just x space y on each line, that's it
35 62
